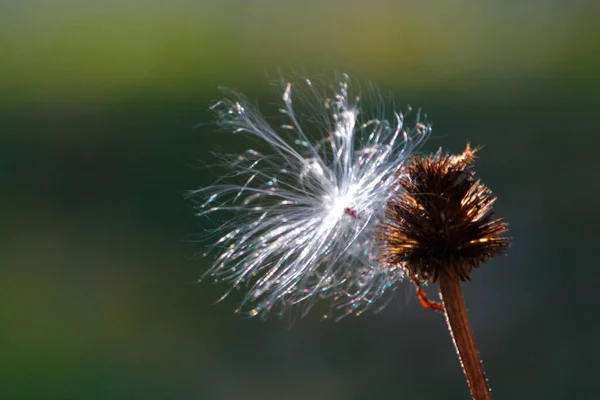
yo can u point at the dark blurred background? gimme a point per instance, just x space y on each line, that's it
104 121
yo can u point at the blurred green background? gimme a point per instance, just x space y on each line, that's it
104 122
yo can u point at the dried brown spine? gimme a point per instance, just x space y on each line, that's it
441 218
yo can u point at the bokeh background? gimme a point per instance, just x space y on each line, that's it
104 123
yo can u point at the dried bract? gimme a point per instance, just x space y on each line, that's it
441 217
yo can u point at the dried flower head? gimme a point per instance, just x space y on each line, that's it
306 209
441 218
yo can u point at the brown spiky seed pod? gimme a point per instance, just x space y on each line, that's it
441 219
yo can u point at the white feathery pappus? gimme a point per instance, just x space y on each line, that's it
301 218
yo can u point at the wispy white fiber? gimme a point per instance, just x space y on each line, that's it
298 220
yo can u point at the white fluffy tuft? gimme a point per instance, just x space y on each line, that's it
306 211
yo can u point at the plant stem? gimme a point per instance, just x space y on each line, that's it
462 335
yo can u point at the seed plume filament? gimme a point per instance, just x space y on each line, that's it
308 206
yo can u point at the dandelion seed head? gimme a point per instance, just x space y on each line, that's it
300 217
